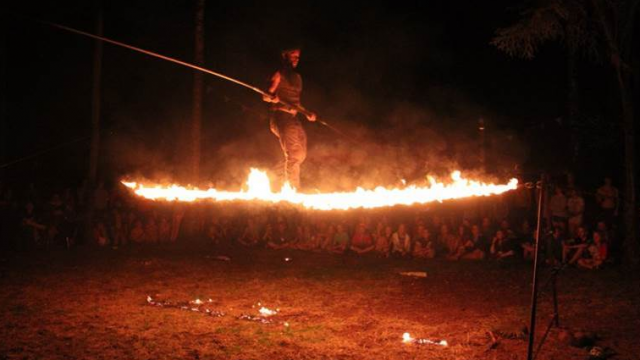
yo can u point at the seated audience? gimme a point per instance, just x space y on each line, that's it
423 245
573 247
474 246
340 240
501 247
400 242
596 253
361 241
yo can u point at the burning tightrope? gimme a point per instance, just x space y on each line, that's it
259 189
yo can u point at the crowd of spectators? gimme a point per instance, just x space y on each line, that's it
578 228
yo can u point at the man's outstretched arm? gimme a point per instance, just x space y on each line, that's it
273 86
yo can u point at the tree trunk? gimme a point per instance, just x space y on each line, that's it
616 51
196 128
3 97
96 104
94 152
630 240
573 99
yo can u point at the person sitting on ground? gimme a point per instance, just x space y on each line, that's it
487 228
473 246
525 232
136 235
434 225
250 235
176 221
361 241
604 230
321 235
596 253
423 245
573 247
100 234
267 236
401 242
501 247
379 229
340 241
383 241
282 236
505 226
306 239
214 233
151 231
164 230
32 226
326 232
450 242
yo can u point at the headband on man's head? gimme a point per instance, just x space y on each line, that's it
289 49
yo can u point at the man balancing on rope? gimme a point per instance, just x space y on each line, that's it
285 89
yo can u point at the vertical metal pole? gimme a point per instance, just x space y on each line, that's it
534 286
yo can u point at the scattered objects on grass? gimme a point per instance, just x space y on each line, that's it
259 319
267 312
421 274
494 341
196 305
407 339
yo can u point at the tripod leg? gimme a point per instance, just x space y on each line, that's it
556 314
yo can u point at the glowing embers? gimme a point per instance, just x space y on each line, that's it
264 314
196 305
407 339
267 312
259 189
203 307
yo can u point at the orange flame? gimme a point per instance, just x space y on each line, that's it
259 189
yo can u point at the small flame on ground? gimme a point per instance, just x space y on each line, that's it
406 338
259 189
267 312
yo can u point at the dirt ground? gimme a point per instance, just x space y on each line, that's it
92 304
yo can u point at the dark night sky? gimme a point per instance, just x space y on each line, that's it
364 65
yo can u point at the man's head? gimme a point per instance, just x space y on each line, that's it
291 56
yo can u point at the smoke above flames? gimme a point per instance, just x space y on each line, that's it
396 144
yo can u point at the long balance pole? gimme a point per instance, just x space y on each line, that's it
176 61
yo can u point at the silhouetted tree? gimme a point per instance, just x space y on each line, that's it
605 29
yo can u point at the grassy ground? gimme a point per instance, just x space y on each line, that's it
91 304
